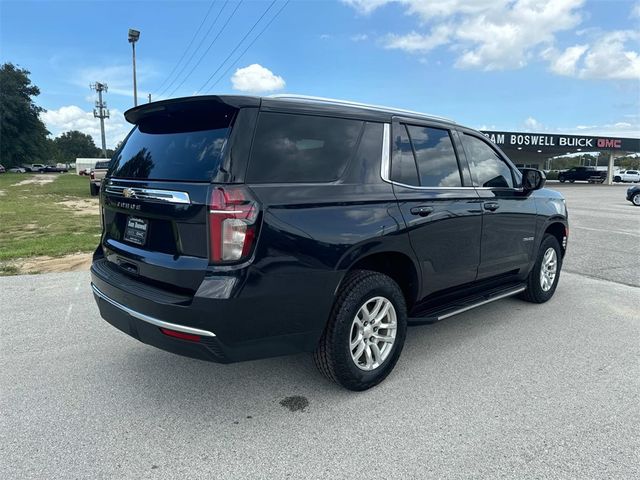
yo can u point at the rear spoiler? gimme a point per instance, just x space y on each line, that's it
136 114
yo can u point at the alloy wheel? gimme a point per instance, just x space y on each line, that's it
548 269
373 333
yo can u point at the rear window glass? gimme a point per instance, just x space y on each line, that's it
301 148
174 147
102 165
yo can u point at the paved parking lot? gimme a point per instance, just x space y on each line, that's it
509 390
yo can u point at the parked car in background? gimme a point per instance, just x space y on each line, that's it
633 195
97 174
271 226
586 174
34 167
18 170
53 169
627 176
2 169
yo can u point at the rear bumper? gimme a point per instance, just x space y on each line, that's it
234 318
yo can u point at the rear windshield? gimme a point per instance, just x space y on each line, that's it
185 147
102 165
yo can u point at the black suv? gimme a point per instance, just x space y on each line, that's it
237 228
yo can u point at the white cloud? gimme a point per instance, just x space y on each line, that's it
486 34
566 62
609 56
502 34
72 117
359 37
533 124
256 79
616 129
635 10
414 42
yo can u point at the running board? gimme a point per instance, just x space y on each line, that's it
435 314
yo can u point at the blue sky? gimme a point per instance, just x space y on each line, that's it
543 65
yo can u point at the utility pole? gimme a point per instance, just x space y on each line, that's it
149 98
101 112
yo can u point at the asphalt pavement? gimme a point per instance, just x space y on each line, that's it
509 390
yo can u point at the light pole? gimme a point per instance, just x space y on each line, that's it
134 35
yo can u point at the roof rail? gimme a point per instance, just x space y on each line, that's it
333 101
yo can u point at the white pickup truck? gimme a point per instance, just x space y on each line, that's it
97 174
627 176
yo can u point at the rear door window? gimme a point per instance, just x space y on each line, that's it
435 157
424 157
291 148
488 169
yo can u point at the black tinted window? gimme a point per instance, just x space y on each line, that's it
301 148
435 156
487 168
176 147
403 164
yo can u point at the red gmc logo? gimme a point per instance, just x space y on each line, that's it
609 143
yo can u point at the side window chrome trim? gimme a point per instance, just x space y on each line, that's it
385 166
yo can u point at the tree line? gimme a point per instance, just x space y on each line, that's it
24 138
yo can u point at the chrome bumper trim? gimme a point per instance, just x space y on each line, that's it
169 196
152 320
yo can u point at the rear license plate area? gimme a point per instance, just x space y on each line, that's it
136 230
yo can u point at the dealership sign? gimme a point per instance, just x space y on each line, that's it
534 141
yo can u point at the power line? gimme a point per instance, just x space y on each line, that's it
206 35
250 45
208 48
184 54
238 45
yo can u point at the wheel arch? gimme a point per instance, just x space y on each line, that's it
559 229
401 267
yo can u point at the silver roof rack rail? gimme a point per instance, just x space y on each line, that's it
333 101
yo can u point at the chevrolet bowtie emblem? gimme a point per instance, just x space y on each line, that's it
129 193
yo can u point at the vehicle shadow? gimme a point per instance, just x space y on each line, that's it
191 387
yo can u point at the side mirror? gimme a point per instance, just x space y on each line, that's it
532 179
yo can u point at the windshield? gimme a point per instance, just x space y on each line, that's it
174 147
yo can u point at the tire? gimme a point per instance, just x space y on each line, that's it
636 199
536 292
93 189
562 179
617 179
571 181
334 356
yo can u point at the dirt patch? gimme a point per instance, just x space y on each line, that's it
82 206
68 263
2 192
37 180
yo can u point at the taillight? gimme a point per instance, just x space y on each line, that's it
232 224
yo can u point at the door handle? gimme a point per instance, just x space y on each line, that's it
423 211
492 206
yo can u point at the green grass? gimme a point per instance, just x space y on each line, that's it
32 222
